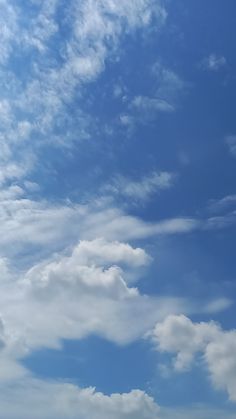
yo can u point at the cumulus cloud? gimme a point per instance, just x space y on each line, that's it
56 400
100 252
179 335
91 268
91 279
69 297
72 295
35 399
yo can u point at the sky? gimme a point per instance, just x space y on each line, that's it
117 209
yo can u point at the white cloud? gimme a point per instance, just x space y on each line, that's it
164 97
90 280
143 189
214 62
5 113
221 221
11 171
217 305
224 203
100 252
46 227
220 358
70 297
231 142
11 193
94 294
31 186
92 267
35 399
57 400
148 105
168 84
8 28
39 228
54 77
177 334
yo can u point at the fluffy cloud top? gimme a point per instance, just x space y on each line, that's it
178 334
74 295
69 297
35 399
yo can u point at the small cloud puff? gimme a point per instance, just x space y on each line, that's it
214 62
231 143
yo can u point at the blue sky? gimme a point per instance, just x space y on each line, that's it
118 209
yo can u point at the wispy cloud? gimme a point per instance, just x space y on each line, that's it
44 227
214 62
34 104
231 143
70 269
141 189
225 203
168 83
148 105
167 88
